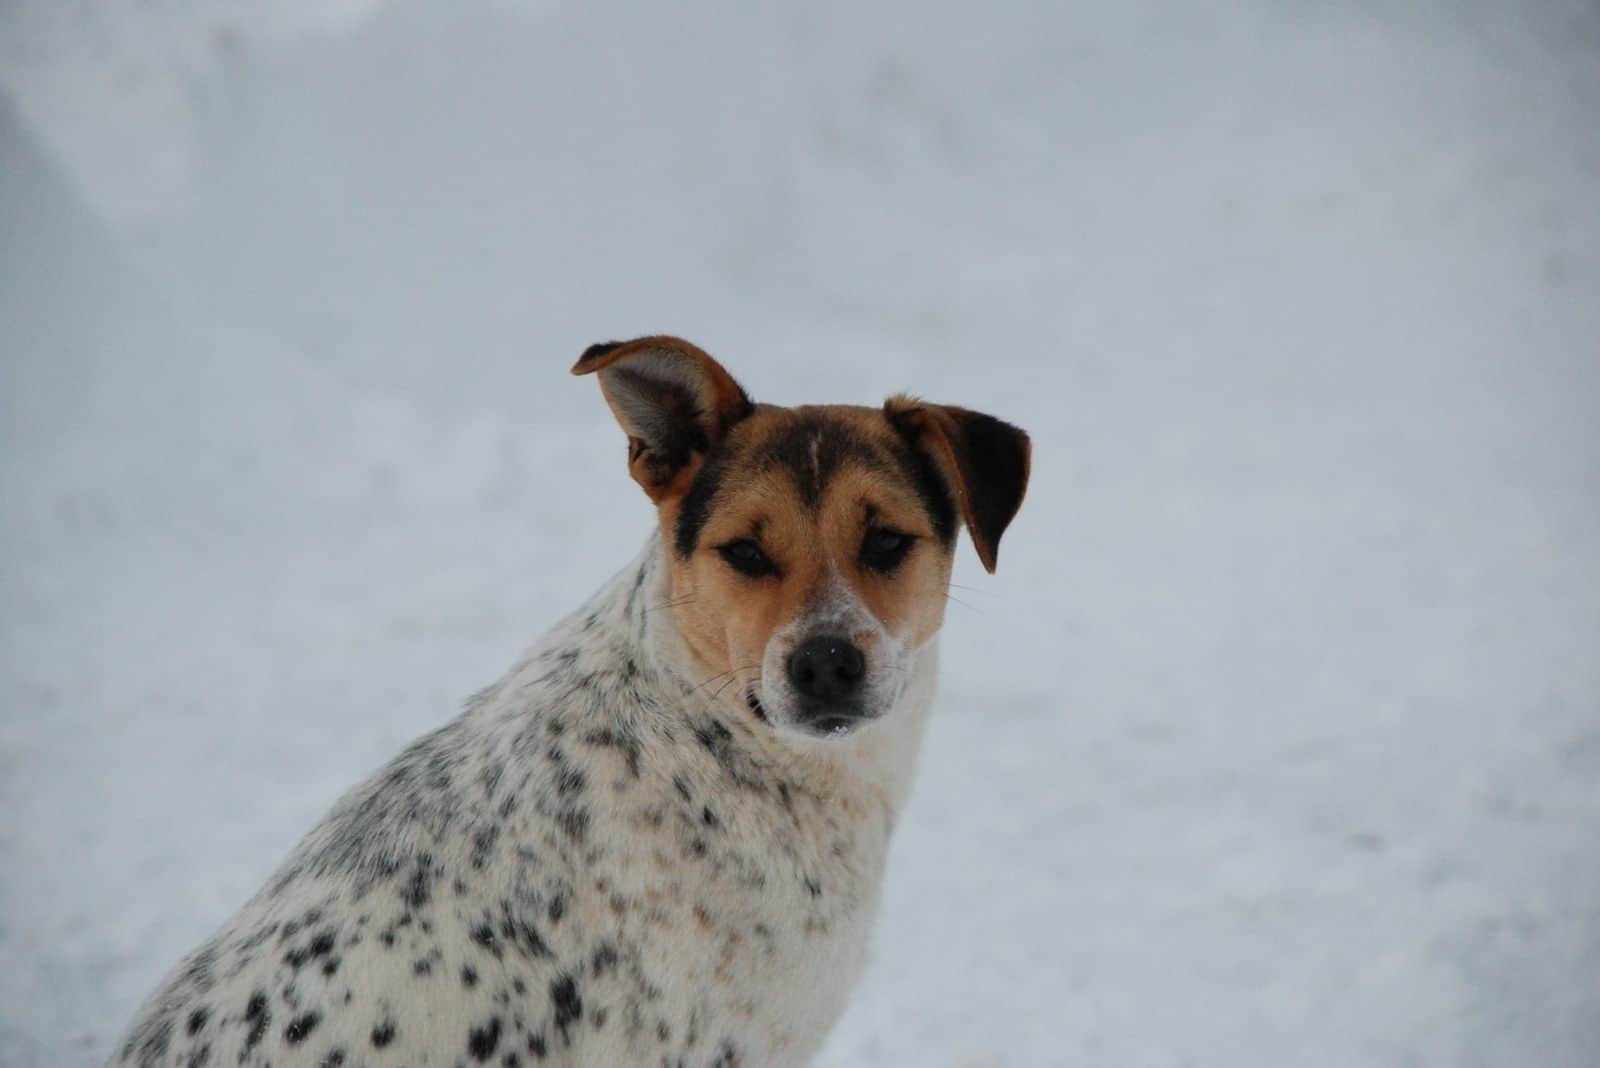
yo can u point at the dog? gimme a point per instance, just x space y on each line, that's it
658 840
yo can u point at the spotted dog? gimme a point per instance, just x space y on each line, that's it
658 839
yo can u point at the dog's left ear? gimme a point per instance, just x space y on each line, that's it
985 462
674 402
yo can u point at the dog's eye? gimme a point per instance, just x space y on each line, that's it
746 557
884 549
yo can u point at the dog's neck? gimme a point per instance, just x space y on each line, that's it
879 759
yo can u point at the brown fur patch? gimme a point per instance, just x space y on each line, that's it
805 484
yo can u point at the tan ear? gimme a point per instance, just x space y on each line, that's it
984 460
673 401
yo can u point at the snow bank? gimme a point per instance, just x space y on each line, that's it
1277 738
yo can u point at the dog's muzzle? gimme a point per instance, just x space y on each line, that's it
827 673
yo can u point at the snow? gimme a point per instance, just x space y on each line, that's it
1276 739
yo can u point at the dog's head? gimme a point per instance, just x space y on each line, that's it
809 548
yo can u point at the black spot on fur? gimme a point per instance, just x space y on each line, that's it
483 934
469 976
259 1017
320 946
575 822
727 1056
483 843
197 1020
709 818
418 890
523 936
813 887
605 959
713 734
567 1003
300 1027
383 1034
538 1047
483 1041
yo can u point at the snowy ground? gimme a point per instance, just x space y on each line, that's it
1275 741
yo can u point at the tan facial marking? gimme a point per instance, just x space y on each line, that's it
807 486
809 549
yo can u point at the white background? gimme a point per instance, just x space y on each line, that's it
1276 740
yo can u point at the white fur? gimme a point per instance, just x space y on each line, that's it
633 870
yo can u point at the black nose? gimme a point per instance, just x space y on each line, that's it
827 669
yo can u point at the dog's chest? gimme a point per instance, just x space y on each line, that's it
721 901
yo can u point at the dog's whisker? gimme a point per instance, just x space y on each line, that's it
972 589
718 676
952 597
680 602
725 674
724 686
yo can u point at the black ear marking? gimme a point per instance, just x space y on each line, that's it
672 399
985 462
594 352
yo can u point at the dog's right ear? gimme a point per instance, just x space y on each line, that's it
674 402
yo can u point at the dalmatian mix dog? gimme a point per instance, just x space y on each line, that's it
658 840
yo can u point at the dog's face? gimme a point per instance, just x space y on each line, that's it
810 548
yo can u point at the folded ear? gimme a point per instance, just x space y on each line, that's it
674 402
984 460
